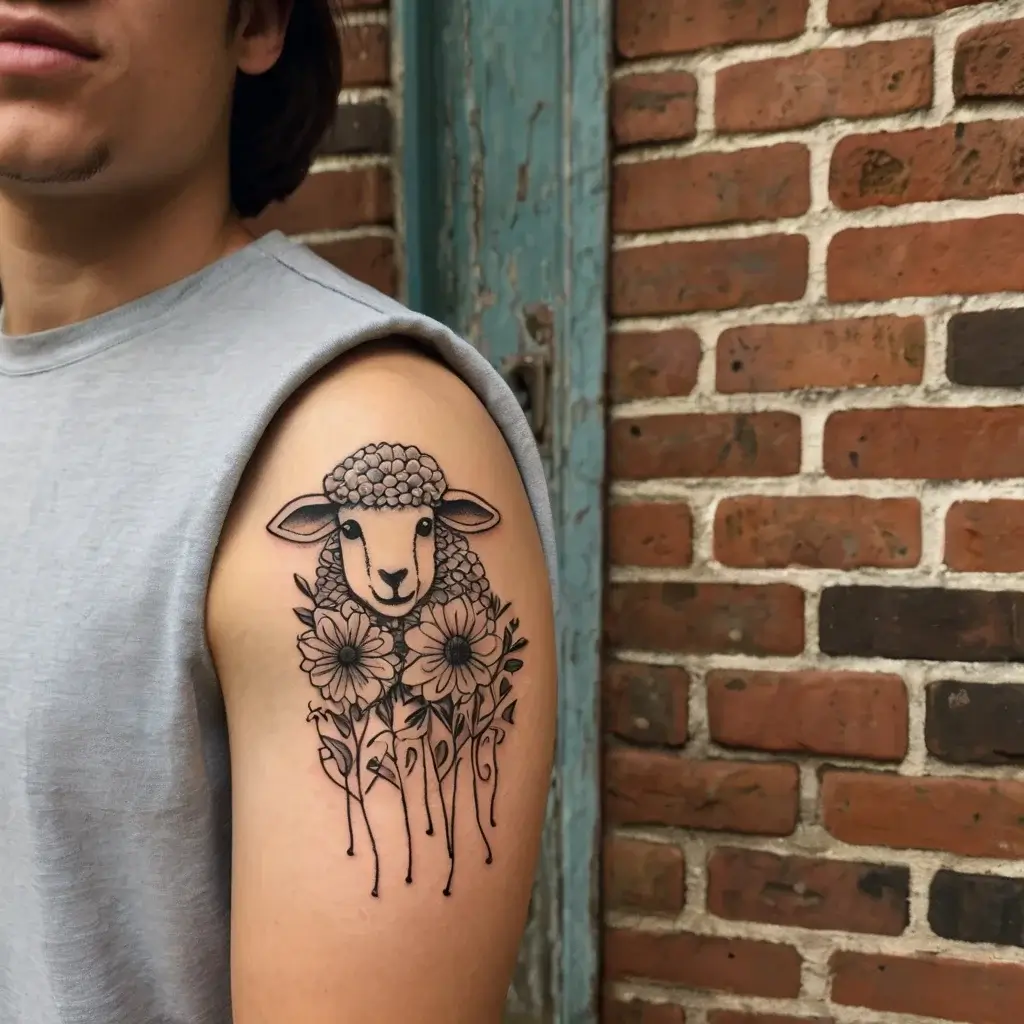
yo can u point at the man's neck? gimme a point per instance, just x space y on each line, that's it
65 260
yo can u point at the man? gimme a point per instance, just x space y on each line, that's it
244 496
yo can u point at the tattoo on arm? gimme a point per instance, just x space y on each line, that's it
411 652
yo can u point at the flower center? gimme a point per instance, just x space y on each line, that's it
458 651
348 656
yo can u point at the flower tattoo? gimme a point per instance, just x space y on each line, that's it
346 656
411 653
452 649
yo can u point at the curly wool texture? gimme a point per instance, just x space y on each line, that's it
386 476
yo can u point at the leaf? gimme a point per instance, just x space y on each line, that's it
441 753
387 773
340 753
410 759
304 586
514 625
445 711
513 665
417 718
386 710
305 616
518 645
341 723
509 714
460 724
503 687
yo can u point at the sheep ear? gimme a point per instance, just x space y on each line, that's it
304 520
467 513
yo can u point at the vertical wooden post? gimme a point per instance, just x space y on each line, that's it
505 195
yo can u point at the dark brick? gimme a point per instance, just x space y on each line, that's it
976 723
743 966
644 876
650 787
658 107
652 364
977 908
866 12
930 624
705 445
976 992
647 703
989 62
635 1011
358 128
803 892
706 618
987 349
721 273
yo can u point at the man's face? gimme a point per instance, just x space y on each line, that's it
147 98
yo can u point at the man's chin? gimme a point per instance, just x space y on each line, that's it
19 170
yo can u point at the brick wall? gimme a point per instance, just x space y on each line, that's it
815 634
345 208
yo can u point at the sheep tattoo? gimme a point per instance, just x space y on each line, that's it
411 652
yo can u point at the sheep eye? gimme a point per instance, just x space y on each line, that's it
425 527
351 530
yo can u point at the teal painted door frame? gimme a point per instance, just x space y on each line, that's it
504 208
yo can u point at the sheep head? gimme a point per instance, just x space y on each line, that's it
385 502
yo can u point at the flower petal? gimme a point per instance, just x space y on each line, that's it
330 627
358 627
457 616
417 640
438 689
313 647
486 648
419 673
378 668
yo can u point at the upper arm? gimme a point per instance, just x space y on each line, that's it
390 694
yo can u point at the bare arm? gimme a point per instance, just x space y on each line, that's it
380 618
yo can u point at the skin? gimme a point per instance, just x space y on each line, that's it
114 184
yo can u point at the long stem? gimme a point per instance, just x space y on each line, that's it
440 790
426 790
451 848
348 814
405 812
359 781
495 743
474 754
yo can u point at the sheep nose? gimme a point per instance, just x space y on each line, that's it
393 579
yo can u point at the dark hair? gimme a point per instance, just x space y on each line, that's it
279 118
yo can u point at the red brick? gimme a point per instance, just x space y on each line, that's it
333 201
705 618
927 444
972 817
739 1017
844 714
647 703
712 188
742 966
705 445
365 55
647 27
802 892
654 788
858 81
654 364
885 351
656 107
728 273
985 536
975 160
635 1011
866 12
989 62
978 992
644 876
370 259
968 257
820 533
656 535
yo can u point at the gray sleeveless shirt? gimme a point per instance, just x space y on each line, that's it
122 440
